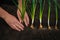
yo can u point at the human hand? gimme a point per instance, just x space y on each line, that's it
26 18
14 23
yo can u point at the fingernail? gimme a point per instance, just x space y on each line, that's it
19 30
26 24
22 29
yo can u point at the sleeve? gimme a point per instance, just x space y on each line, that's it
9 7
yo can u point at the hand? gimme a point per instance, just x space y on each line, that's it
14 23
26 18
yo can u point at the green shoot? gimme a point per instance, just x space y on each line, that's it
58 5
23 8
16 5
33 8
56 9
41 12
49 9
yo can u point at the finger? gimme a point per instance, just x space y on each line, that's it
27 18
25 22
20 26
19 16
15 28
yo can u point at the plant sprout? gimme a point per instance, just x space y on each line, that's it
49 9
58 5
41 12
33 8
56 10
23 8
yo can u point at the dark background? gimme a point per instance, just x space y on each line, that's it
6 33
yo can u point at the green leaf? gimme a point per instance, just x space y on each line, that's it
33 8
56 10
58 5
41 9
16 5
23 8
49 9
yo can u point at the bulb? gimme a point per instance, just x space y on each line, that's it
40 27
32 27
49 27
56 27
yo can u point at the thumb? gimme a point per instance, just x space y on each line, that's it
19 16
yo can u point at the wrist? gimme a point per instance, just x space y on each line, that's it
3 13
20 5
4 16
